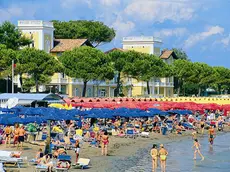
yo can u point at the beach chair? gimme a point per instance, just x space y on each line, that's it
40 168
8 161
2 167
63 159
130 133
82 163
144 134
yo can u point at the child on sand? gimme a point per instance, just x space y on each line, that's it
197 146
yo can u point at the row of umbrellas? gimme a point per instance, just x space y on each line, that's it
25 115
162 105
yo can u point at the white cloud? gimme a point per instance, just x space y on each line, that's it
226 41
8 13
170 32
123 28
193 39
161 10
73 3
109 2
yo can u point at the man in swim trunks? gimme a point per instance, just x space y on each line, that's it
196 145
163 153
211 135
21 136
8 132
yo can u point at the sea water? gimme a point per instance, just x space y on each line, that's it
180 159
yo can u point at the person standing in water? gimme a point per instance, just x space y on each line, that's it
163 153
202 125
211 135
104 143
154 154
197 146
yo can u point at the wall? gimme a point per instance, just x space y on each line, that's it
35 36
47 42
140 48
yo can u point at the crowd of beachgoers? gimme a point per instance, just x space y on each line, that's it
72 135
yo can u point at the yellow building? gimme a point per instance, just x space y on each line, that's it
74 87
41 33
162 87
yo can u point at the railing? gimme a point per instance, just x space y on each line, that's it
142 38
59 81
34 23
164 84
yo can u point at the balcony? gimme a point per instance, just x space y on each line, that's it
163 84
59 81
95 82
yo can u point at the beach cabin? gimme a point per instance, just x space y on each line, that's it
31 100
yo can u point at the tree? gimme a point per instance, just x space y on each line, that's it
182 69
119 60
37 64
181 54
88 64
143 67
221 78
202 74
96 32
12 37
6 57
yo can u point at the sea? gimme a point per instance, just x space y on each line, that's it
180 158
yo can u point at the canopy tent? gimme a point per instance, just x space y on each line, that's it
29 99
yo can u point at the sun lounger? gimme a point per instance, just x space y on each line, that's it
40 168
1 167
63 159
83 163
144 134
130 133
7 160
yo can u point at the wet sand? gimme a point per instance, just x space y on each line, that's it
121 151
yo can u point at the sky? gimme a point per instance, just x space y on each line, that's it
200 27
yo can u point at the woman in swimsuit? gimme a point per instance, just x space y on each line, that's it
77 150
202 127
104 143
154 154
163 156
196 145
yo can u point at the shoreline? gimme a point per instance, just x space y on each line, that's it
125 152
132 150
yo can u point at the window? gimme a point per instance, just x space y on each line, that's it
89 92
77 92
102 93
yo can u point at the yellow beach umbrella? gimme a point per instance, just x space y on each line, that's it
70 106
56 105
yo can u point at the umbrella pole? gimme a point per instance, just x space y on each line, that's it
48 139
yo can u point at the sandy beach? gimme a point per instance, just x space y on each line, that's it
120 150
